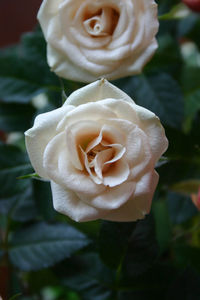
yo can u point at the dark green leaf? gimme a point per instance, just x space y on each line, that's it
142 249
42 245
89 277
29 74
190 80
43 199
16 197
168 56
163 227
113 241
158 93
186 25
180 207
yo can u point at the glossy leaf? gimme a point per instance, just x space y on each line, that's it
42 245
16 196
158 93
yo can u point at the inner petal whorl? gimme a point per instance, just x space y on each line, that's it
101 22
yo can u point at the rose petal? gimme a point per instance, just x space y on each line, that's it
95 178
152 127
59 168
111 199
66 202
123 109
88 111
117 174
79 134
100 161
43 130
97 91
137 207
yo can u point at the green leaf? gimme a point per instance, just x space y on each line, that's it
16 117
186 25
88 276
180 207
32 176
159 93
162 223
30 74
168 56
42 245
142 250
43 199
16 196
129 247
113 241
190 80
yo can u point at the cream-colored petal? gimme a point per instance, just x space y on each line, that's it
100 162
95 178
87 111
80 134
139 203
66 202
123 109
155 132
43 130
117 174
112 198
119 151
96 91
65 68
60 169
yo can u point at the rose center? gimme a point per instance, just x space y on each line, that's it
101 22
97 149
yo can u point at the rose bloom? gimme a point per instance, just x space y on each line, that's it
89 39
99 151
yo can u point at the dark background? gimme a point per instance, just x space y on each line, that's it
16 17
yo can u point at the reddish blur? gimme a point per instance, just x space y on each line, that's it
16 17
193 5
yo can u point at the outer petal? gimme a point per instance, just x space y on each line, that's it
139 204
155 132
43 130
96 91
66 202
111 199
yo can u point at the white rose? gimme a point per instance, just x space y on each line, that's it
99 151
89 39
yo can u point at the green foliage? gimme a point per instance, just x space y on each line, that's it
16 196
42 245
159 93
180 208
29 74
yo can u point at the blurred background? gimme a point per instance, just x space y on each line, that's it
16 17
